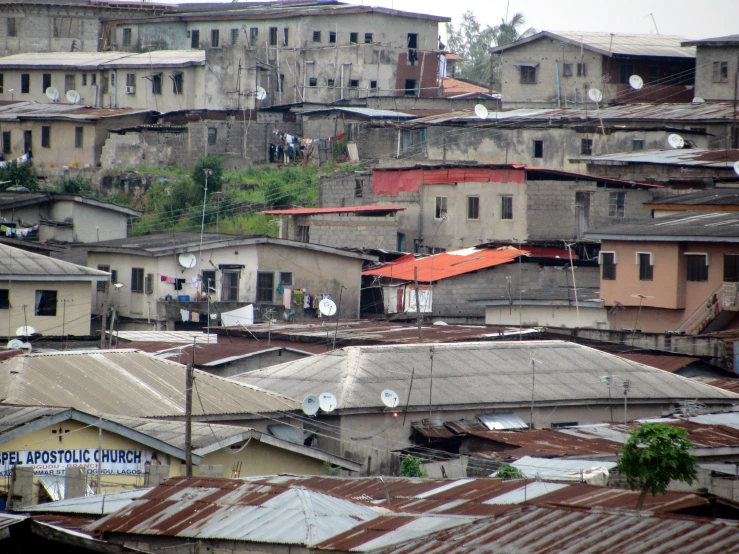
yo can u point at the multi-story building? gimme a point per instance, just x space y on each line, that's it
717 64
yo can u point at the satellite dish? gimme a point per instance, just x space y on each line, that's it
261 93
25 331
636 82
698 100
675 141
310 404
27 346
736 168
52 94
187 260
595 95
73 96
327 402
389 398
327 307
15 344
481 111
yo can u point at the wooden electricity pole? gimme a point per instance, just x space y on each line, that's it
188 414
418 305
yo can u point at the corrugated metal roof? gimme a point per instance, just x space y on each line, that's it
537 530
170 337
21 265
688 226
502 421
158 58
346 210
481 374
16 111
372 113
237 510
546 468
96 504
14 416
688 157
713 197
125 382
660 361
51 60
716 41
731 385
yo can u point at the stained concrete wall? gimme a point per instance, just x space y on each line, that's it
705 85
349 231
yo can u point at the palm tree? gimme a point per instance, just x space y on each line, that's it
507 31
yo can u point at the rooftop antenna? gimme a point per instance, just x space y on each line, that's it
610 381
532 362
641 298
654 21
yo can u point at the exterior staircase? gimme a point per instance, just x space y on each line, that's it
714 313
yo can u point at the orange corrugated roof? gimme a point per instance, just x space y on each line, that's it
447 264
348 209
454 87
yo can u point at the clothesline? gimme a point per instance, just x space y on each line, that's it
18 232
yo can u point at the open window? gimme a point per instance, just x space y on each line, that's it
607 262
697 266
645 261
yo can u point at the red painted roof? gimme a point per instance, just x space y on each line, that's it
447 264
453 87
346 210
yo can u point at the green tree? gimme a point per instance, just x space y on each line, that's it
507 471
654 455
73 184
215 179
18 175
411 467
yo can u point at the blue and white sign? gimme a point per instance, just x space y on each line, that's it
56 462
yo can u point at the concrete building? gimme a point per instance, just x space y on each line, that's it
298 51
456 205
557 69
455 381
712 200
52 296
165 277
717 64
673 273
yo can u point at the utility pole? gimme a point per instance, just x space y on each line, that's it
338 312
418 305
100 455
188 413
533 388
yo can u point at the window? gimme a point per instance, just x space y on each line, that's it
177 83
637 144
285 36
2 83
411 87
646 265
25 83
330 82
130 83
582 70
4 299
731 268
506 207
102 286
137 279
45 81
195 38
45 304
473 207
234 37
112 79
627 70
84 79
564 424
353 83
358 188
313 82
94 79
286 278
215 38
353 38
332 37
69 82
697 265
303 233
45 136
113 275
273 36
653 73
368 38
27 141
528 75
608 266
265 287
230 290
209 282
12 28
7 148
412 139
538 149
156 83
441 206
373 85
212 136
78 137
281 83
401 242
127 36
253 36
567 69
412 40
616 204
149 283
720 72
68 27
316 36
586 146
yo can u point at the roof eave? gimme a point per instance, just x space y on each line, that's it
658 238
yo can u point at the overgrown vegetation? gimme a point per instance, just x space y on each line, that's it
507 471
18 175
73 184
411 467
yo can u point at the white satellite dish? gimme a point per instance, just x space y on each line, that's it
636 82
389 398
675 141
595 95
481 111
15 344
73 96
27 346
327 402
310 404
327 307
261 93
698 100
736 168
187 260
52 94
25 331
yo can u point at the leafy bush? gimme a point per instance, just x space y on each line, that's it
75 184
507 471
411 467
18 175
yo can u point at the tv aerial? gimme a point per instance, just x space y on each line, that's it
327 307
389 398
595 95
73 96
327 402
187 260
481 111
25 331
261 93
675 141
636 82
52 94
311 405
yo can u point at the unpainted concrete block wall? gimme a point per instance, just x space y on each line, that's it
145 147
350 231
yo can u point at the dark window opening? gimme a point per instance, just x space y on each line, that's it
12 27
368 38
230 290
156 83
149 284
265 287
94 79
45 81
316 36
653 74
137 279
102 286
177 83
358 188
586 146
303 233
506 207
528 75
616 204
45 136
281 83
411 87
626 71
27 141
608 266
720 72
353 83
646 269
286 278
412 40
69 82
234 37
25 83
353 38
84 79
567 70
195 39
127 37
7 145
215 38
441 207
285 36
253 36
313 82
2 83
731 268
473 207
78 137
637 144
209 282
538 149
697 265
273 36
4 299
330 82
332 37
45 303
373 85
582 69
212 136
401 242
